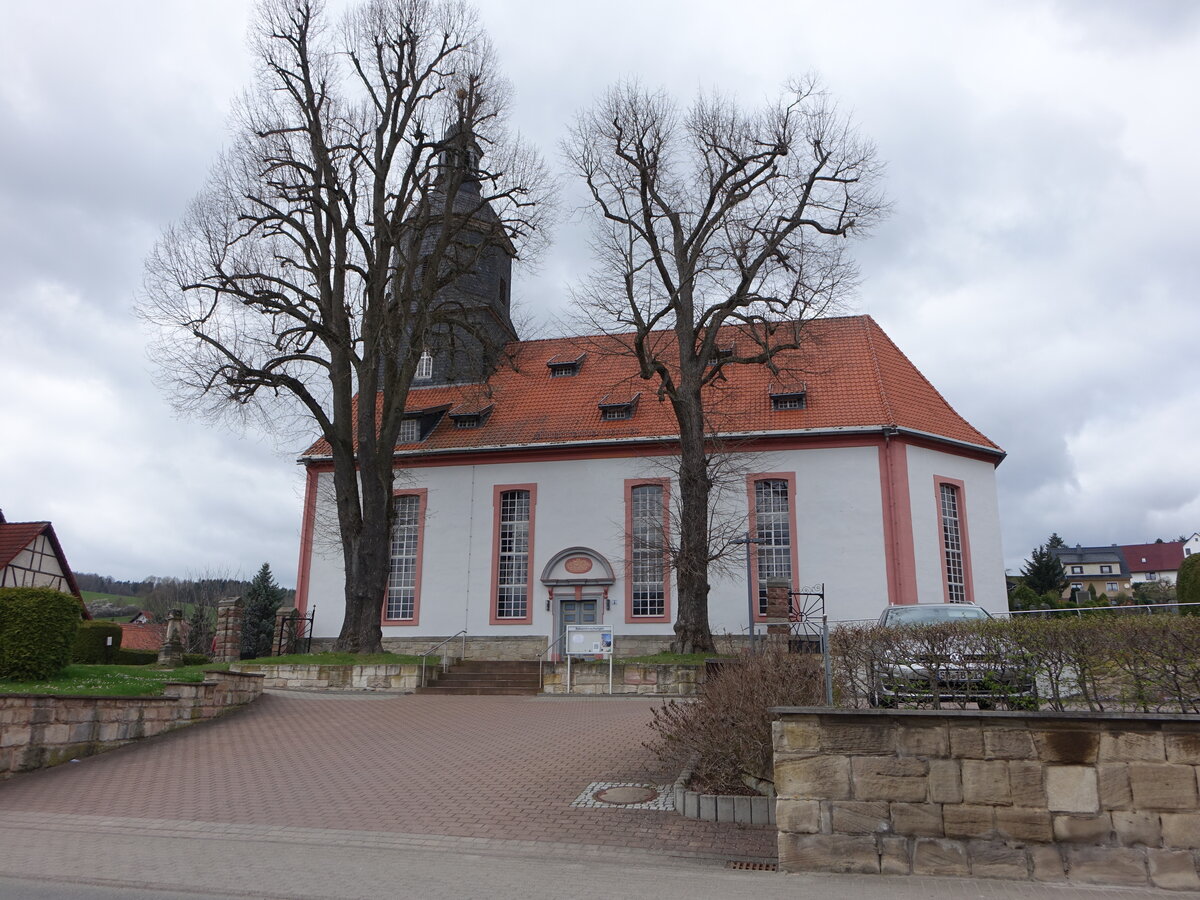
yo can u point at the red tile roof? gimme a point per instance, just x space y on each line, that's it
142 637
16 536
1164 557
856 378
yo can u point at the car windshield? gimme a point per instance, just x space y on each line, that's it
930 615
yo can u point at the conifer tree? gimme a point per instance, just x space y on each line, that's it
261 602
1043 572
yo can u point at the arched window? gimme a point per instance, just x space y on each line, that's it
424 366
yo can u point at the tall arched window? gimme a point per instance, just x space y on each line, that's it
773 533
648 569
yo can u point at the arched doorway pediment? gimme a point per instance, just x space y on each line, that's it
578 565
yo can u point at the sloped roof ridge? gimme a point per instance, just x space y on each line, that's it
865 322
876 327
568 338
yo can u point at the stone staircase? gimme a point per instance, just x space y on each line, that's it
481 676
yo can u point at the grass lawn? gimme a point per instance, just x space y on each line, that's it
107 681
341 659
670 659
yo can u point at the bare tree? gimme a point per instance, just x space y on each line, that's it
718 232
370 171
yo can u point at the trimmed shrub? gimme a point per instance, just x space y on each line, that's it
135 658
725 734
91 642
1187 588
37 631
195 659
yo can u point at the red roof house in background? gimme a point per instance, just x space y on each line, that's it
31 556
1159 561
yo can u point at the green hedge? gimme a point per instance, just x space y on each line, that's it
195 659
91 642
37 632
135 657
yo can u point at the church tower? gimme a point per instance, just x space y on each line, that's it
475 307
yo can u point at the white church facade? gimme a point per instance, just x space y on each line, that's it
538 497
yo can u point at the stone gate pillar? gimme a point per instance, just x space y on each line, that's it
229 631
286 621
778 601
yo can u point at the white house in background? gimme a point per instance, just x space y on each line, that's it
1157 561
31 556
533 500
1192 544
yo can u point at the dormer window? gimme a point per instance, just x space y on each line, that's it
410 431
470 415
565 365
720 354
424 366
789 397
614 408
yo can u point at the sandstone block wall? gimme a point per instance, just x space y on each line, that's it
340 678
527 647
39 730
1043 796
628 678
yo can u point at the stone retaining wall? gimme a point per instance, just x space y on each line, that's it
341 678
39 730
628 678
1080 797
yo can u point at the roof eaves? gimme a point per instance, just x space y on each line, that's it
999 455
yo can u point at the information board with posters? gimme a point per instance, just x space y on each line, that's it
590 640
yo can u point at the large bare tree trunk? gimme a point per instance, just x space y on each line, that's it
692 631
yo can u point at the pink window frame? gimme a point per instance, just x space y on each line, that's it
422 495
964 536
630 484
752 528
497 490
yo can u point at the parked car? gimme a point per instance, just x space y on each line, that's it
917 668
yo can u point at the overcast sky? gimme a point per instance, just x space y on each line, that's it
1040 266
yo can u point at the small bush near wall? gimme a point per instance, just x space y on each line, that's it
91 642
726 731
37 631
1108 660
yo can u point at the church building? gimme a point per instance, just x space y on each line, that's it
534 488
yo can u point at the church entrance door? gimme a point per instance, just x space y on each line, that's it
575 608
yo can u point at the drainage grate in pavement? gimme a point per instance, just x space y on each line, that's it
625 795
745 866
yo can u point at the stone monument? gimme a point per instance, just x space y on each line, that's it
171 654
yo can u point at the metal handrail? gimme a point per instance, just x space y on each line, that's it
542 658
425 655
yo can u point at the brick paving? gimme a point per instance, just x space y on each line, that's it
470 767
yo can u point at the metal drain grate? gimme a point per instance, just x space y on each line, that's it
745 866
